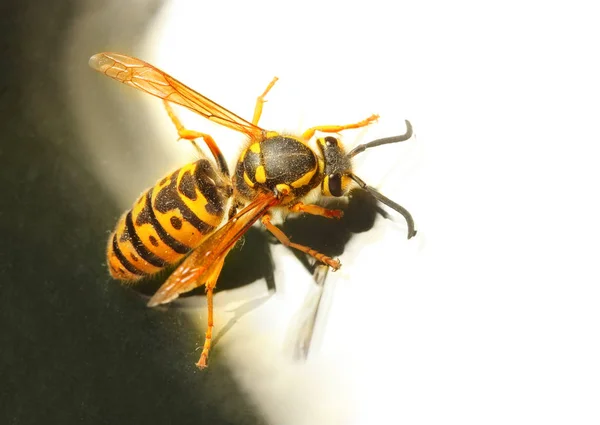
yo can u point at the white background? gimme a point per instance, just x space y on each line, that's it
491 314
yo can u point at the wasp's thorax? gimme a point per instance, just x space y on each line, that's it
279 164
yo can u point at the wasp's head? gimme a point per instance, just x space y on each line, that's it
337 166
337 170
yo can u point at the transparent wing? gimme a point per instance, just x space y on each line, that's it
145 77
300 335
198 266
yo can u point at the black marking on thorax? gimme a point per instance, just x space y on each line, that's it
285 160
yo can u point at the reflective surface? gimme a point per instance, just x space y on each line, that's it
76 346
490 317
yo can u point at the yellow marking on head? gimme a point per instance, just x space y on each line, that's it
305 179
247 180
260 174
283 188
346 181
325 186
255 147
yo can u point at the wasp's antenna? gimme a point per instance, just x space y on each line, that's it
409 220
384 141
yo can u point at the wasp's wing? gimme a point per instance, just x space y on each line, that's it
143 76
196 268
302 329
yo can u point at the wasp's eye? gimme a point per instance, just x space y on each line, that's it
335 184
330 141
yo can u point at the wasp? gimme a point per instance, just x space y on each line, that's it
198 212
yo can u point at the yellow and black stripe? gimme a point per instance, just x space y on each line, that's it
167 221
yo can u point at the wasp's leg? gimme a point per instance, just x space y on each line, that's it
337 128
234 208
210 285
191 135
316 210
278 233
260 101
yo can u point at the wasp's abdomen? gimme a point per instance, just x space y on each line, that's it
167 221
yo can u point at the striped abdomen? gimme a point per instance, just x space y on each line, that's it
168 221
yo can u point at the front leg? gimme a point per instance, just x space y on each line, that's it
316 210
308 134
260 101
